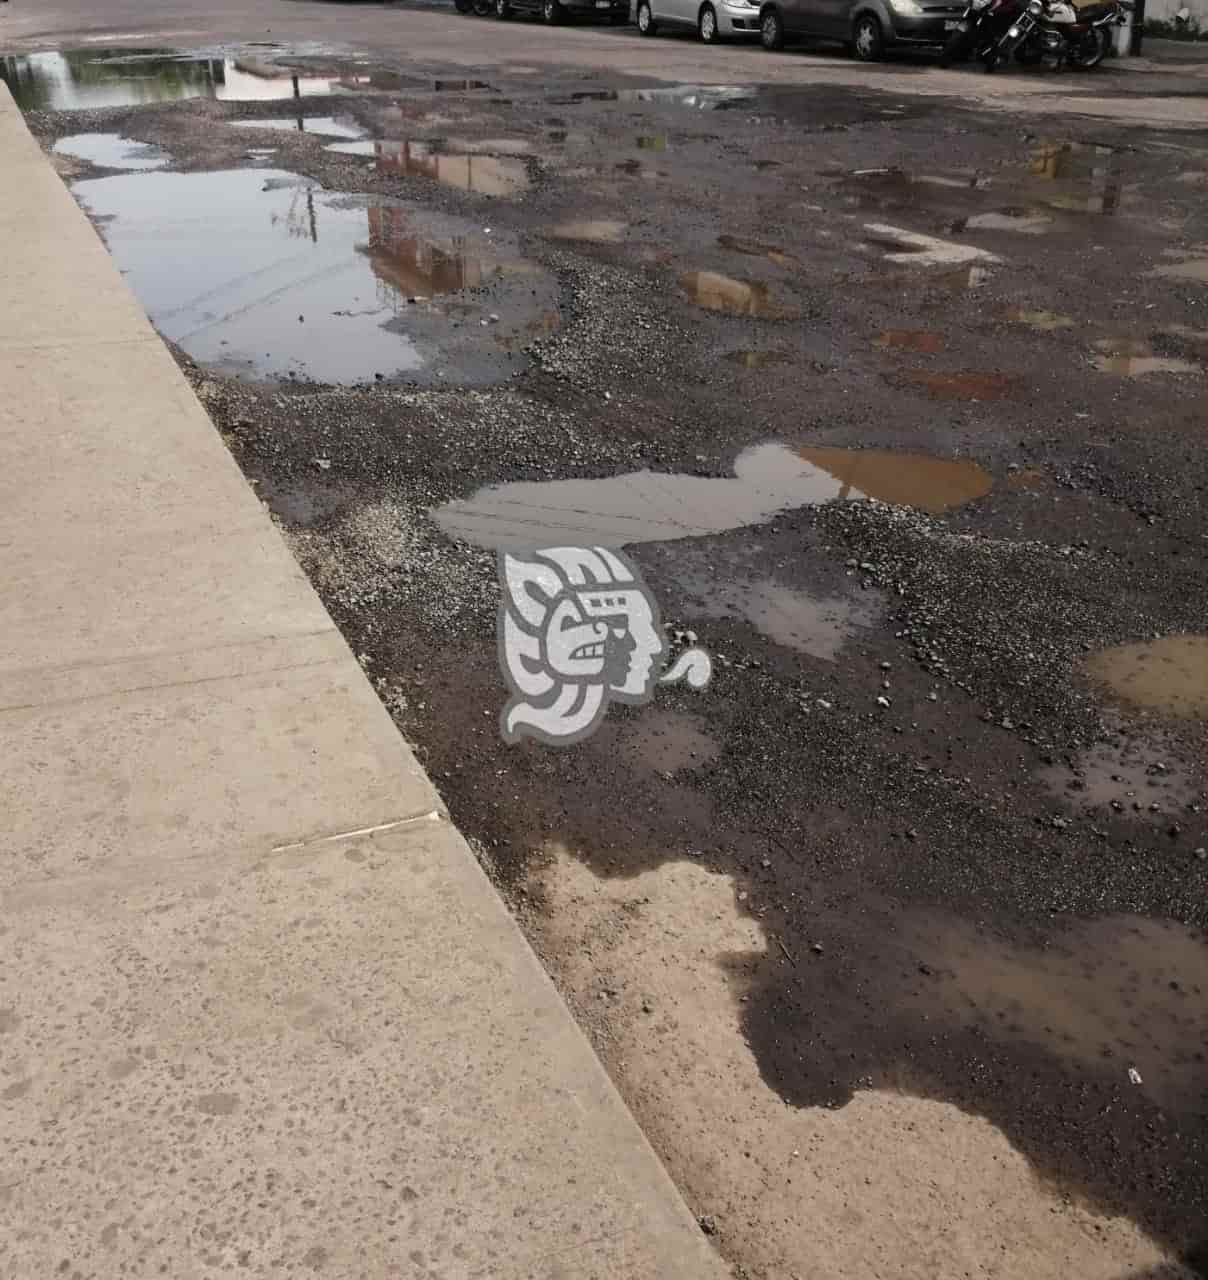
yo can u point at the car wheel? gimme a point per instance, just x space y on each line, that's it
646 23
867 41
463 6
771 29
503 10
551 11
706 24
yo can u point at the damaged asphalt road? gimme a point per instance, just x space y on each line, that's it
929 852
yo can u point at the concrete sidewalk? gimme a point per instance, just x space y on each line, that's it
260 1011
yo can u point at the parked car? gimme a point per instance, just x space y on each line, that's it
713 19
552 11
867 27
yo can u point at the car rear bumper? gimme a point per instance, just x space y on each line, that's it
588 7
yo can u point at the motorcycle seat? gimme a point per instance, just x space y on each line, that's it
1092 12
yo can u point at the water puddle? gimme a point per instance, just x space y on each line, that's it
920 341
593 231
1191 269
1042 321
111 151
459 86
755 249
320 126
92 79
934 485
1169 675
273 277
917 249
650 506
1023 223
964 385
788 616
484 175
732 297
1140 366
1122 989
1135 777
750 359
667 741
1080 178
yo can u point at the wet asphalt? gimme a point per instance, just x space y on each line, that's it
973 823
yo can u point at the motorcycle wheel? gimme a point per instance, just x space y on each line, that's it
1090 51
990 60
1028 55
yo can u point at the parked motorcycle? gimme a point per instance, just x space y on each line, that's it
1079 38
979 29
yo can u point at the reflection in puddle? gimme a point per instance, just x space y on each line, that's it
111 151
917 340
94 78
754 249
1139 366
651 506
1169 675
788 616
320 126
271 277
757 359
1191 269
733 297
594 231
1028 224
961 386
1043 321
915 480
459 86
1086 178
482 174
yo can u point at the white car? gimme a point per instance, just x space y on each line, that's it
713 19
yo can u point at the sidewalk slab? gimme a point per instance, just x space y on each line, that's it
260 1011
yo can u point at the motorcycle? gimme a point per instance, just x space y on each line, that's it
1054 28
979 29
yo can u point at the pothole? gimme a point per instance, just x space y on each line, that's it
485 175
111 151
1168 675
1076 177
649 506
715 292
273 277
591 230
92 79
1042 321
320 126
961 385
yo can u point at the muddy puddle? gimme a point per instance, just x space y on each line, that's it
111 151
963 385
699 97
272 277
751 359
919 341
1195 269
667 741
650 506
1169 675
1041 321
1075 177
755 249
1135 358
320 126
481 174
715 292
591 231
90 79
1129 775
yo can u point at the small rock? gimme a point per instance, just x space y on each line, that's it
324 464
708 1224
1061 823
1134 1076
816 948
883 701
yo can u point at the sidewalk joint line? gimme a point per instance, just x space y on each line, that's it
433 815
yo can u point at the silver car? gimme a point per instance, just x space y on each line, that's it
713 19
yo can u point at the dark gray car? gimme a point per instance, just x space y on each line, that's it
867 27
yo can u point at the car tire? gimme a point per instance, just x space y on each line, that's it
464 6
706 25
646 23
771 29
503 10
867 39
551 12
